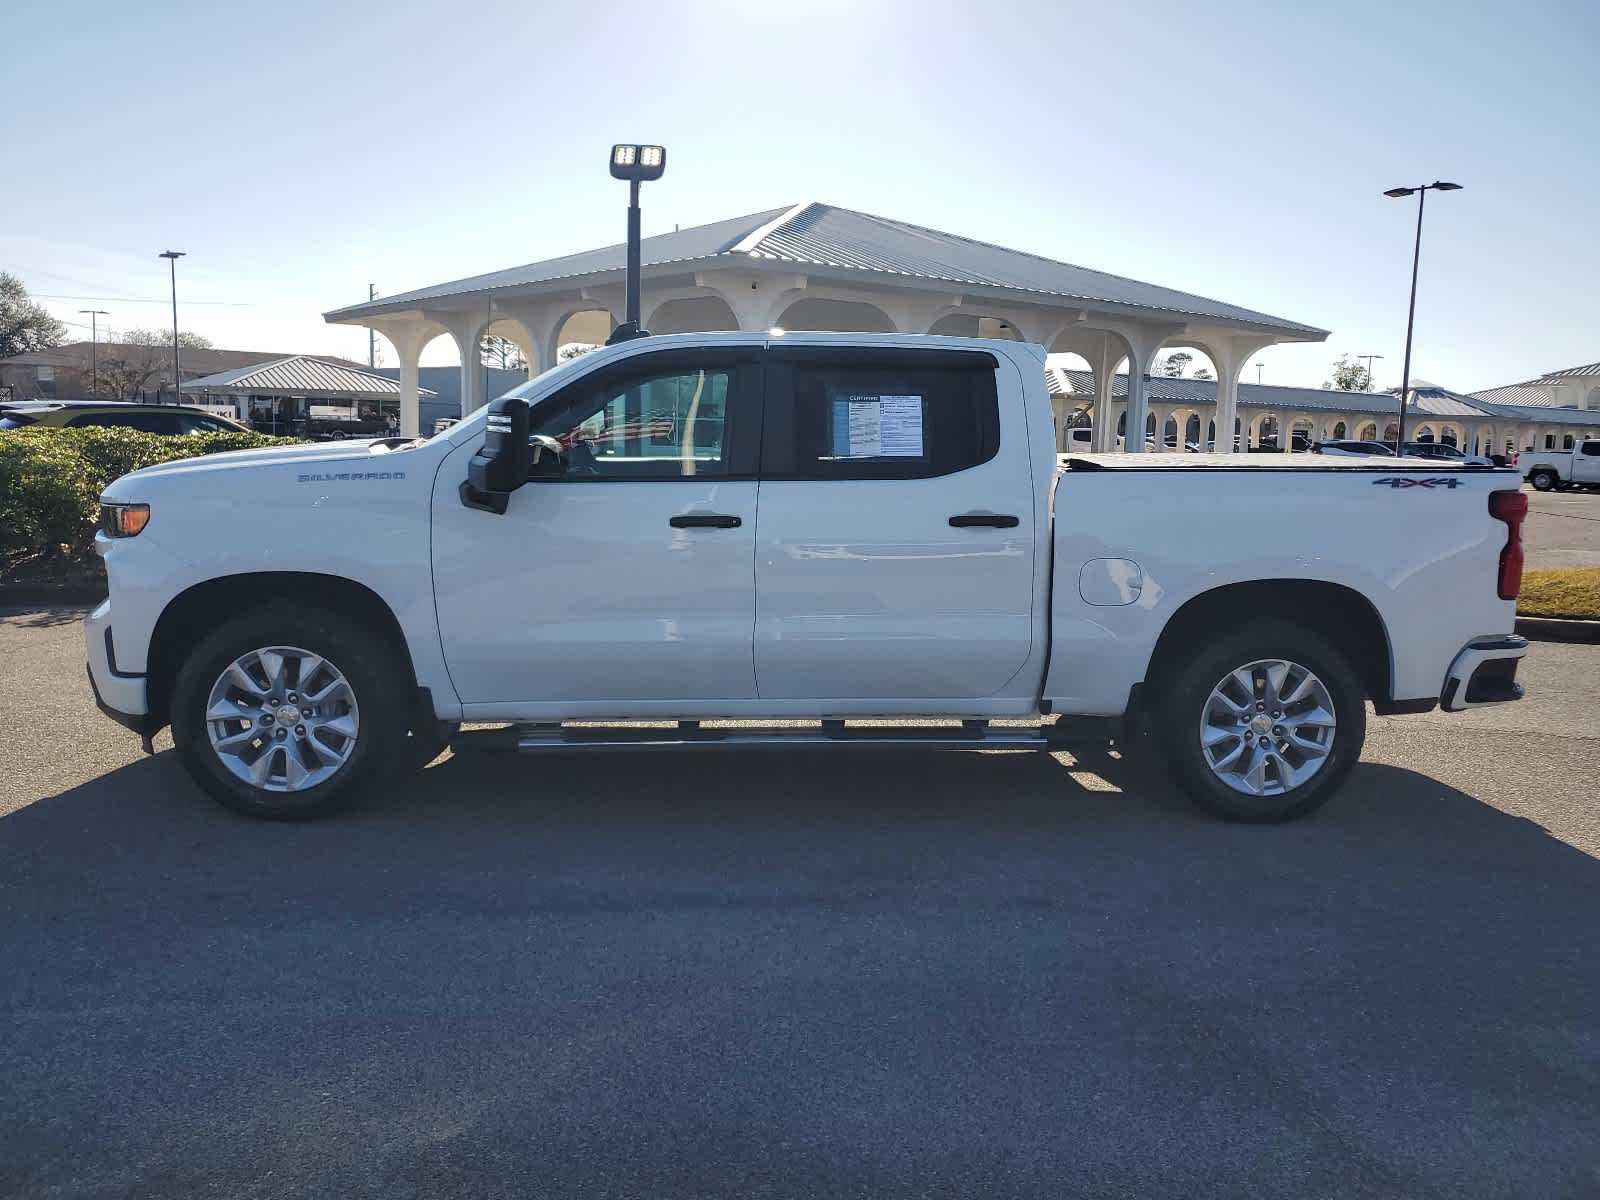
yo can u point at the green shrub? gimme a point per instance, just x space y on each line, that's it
51 479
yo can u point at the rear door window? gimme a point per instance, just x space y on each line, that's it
869 414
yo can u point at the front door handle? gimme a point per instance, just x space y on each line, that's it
705 521
974 520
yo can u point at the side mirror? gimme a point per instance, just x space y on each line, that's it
501 465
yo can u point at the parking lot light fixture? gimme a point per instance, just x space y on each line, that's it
94 349
1421 193
172 257
636 164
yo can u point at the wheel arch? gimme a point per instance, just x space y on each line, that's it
1339 613
194 607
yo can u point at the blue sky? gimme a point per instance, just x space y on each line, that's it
298 151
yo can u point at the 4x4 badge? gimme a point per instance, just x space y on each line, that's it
1400 481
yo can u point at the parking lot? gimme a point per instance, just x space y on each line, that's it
1563 529
802 975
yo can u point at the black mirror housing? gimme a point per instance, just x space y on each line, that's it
502 463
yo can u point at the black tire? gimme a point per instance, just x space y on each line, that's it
1544 479
1185 687
379 682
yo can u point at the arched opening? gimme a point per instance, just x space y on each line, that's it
1302 432
835 316
974 325
508 346
1422 433
1170 439
1338 431
1449 436
1367 432
693 314
580 333
1194 431
1391 431
1593 398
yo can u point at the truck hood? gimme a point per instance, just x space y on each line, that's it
353 459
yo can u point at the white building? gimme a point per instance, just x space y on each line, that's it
815 266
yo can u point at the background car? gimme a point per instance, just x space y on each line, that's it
1351 449
1444 453
172 419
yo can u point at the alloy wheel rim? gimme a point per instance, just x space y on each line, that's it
1268 727
282 719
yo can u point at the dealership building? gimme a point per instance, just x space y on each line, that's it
820 267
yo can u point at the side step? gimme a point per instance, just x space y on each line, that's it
688 735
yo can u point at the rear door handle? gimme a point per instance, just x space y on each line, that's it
974 520
705 521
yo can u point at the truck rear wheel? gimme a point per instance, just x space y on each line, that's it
286 715
1544 479
1263 725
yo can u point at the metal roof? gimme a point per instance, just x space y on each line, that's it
1544 414
299 375
841 240
1587 371
1431 401
1162 389
1523 395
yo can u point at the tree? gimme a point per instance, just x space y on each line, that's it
501 352
1174 365
1349 376
572 350
24 324
128 364
1203 373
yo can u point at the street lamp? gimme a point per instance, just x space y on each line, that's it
172 257
636 164
94 349
1369 358
1421 192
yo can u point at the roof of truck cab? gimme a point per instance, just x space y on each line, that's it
1277 461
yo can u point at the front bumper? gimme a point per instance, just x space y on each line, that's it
1485 672
122 697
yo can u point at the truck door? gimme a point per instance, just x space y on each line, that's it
631 576
895 546
1586 462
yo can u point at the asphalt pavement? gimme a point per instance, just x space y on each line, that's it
771 975
1562 529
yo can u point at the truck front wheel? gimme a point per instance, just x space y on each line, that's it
1263 725
286 715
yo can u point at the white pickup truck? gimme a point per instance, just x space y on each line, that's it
678 542
1557 470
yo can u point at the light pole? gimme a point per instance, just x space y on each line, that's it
172 257
1369 358
94 349
636 164
1421 192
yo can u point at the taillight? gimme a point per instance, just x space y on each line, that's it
1510 507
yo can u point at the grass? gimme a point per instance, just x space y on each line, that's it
1572 592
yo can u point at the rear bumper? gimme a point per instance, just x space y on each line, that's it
121 696
1485 672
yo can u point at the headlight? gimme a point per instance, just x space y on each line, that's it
123 520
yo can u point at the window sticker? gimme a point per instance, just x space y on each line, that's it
877 427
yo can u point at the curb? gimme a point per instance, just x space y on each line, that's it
1556 629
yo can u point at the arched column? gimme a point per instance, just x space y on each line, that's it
1228 354
408 334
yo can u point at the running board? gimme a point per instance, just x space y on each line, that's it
570 739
